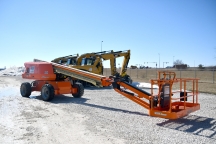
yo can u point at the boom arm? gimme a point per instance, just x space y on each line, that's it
125 63
112 57
118 84
126 55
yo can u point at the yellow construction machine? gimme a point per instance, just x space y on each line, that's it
93 62
66 60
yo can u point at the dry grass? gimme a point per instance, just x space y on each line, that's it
206 83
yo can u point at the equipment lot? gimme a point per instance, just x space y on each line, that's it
100 116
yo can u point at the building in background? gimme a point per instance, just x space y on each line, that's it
3 68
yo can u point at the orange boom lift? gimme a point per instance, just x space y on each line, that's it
53 79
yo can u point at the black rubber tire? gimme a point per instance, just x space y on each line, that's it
47 92
84 83
80 90
25 89
128 79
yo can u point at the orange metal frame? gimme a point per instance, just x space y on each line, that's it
43 73
60 87
178 107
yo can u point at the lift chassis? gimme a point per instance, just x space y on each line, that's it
165 103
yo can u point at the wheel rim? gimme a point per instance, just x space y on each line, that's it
45 93
23 90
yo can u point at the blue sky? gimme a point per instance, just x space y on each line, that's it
151 29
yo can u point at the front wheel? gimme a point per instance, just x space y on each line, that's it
47 92
25 89
80 90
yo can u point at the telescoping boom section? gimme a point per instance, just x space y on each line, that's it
165 103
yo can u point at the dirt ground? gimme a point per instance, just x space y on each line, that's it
100 116
25 120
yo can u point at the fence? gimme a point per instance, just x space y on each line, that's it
206 76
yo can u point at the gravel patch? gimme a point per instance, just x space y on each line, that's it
111 114
101 115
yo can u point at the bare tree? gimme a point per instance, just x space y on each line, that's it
201 67
178 62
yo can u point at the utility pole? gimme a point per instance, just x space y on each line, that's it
101 46
156 67
159 60
146 68
173 60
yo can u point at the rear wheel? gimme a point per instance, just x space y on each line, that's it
25 89
80 90
84 83
47 92
128 79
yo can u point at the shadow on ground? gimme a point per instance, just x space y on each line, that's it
83 101
197 125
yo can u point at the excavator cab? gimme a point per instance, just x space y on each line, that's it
71 61
87 61
66 60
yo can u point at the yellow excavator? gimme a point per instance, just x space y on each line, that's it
70 59
93 62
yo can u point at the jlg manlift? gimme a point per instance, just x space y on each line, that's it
164 104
